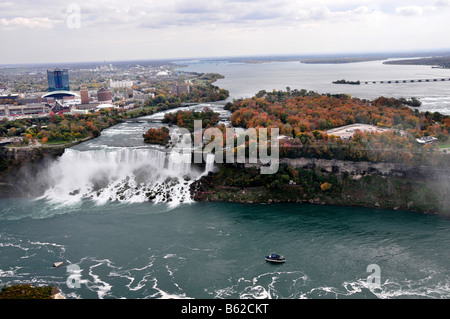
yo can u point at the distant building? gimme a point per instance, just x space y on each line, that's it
30 99
138 95
106 106
162 73
84 108
60 107
128 93
35 108
104 96
84 94
346 132
178 89
120 84
59 95
8 98
58 80
426 140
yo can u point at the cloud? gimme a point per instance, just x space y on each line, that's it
409 11
143 15
319 13
197 27
44 23
442 3
196 7
361 10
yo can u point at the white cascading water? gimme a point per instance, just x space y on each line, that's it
119 166
123 174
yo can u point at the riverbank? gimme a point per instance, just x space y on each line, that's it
27 291
320 182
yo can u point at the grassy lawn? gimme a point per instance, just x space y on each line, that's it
444 145
137 112
61 142
57 142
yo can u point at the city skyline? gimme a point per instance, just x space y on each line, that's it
78 31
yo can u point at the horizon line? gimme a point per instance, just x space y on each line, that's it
393 53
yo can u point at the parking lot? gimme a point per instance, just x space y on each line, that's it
346 132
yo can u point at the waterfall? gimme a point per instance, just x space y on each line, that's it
119 166
122 174
209 165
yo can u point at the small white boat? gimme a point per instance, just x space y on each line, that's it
275 258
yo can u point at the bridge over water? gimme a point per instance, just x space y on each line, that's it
406 81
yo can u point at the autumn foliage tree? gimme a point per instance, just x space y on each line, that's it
61 127
186 119
159 136
304 117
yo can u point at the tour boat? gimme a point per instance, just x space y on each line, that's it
274 258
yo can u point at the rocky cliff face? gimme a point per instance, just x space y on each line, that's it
319 181
19 166
21 154
359 169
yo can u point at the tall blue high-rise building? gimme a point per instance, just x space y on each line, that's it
58 80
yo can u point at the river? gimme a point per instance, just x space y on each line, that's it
94 217
246 79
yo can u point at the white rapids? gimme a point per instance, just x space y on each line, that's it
122 174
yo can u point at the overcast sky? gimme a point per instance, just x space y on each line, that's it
52 31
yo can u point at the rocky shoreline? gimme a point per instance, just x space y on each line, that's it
321 182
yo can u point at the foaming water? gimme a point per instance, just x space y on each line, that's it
122 174
269 285
439 104
431 286
216 250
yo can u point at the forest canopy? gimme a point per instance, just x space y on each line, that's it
160 136
186 119
304 118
